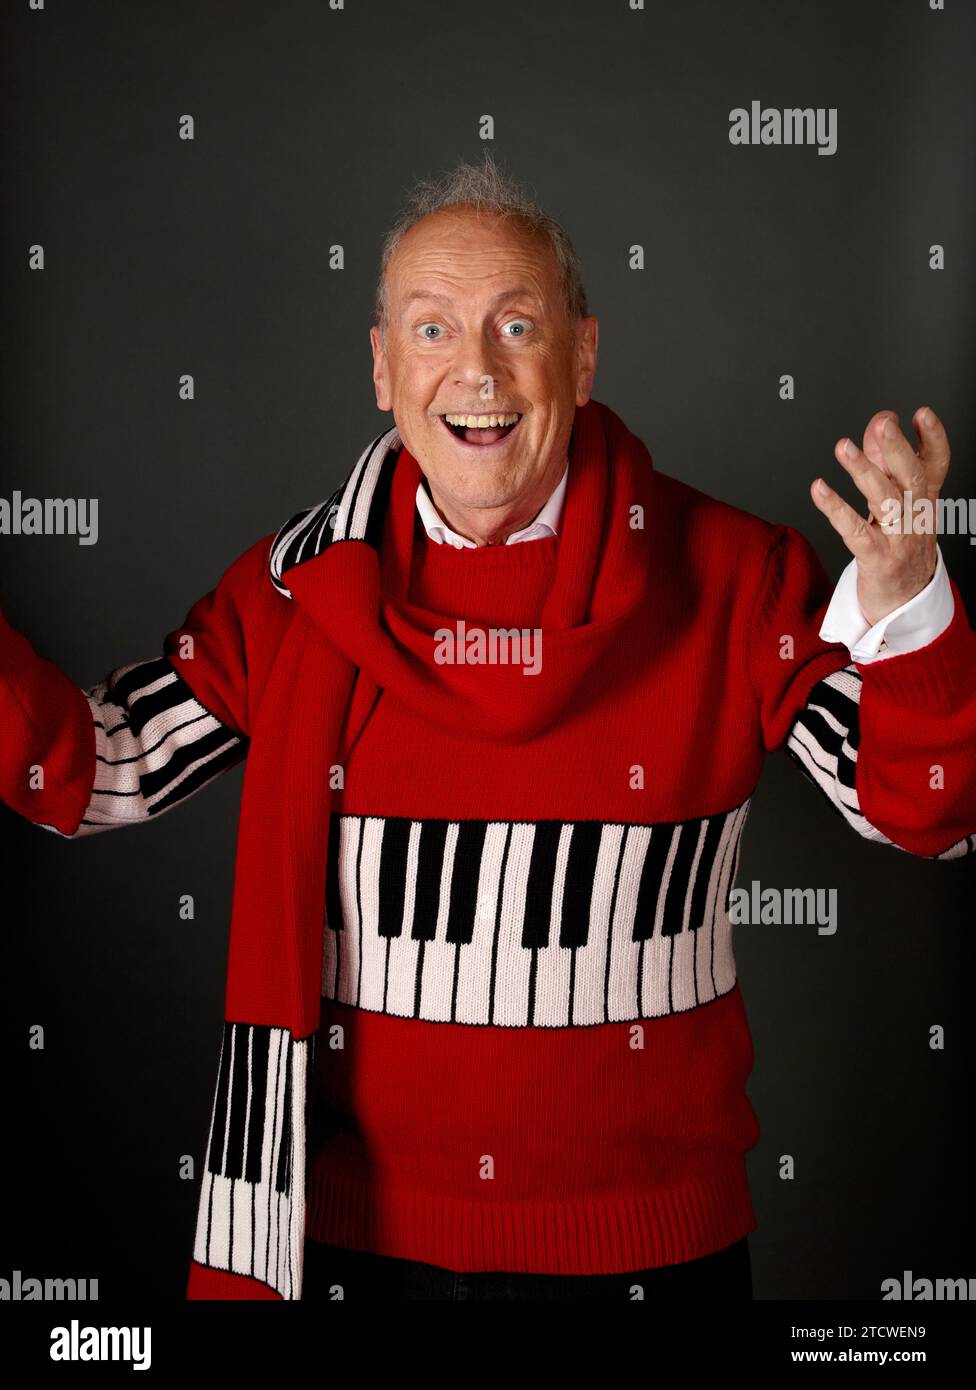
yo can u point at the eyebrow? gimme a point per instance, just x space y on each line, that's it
520 291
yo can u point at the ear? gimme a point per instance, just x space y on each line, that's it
381 375
587 338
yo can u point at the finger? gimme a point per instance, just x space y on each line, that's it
860 538
905 466
871 445
933 447
873 482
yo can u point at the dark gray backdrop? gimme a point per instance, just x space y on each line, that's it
211 257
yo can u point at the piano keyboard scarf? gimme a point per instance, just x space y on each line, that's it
248 1218
545 924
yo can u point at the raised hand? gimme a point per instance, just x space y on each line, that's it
895 559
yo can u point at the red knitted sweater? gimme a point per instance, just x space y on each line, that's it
482 1007
555 1140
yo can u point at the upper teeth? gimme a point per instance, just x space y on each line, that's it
481 422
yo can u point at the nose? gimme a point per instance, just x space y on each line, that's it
476 366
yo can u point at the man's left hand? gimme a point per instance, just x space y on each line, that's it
894 561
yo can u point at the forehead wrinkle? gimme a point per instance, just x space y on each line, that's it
520 291
463 265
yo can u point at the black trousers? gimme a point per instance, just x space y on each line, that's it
328 1269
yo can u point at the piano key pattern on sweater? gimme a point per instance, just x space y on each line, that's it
529 924
156 745
824 742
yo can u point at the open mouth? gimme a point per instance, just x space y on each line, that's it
482 430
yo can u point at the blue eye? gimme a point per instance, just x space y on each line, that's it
519 327
422 330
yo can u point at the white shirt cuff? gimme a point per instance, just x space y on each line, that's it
915 624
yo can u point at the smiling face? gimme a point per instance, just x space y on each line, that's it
482 366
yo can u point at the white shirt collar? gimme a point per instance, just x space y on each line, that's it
545 524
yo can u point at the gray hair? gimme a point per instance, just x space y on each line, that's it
489 190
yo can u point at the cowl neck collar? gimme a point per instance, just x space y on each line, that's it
346 563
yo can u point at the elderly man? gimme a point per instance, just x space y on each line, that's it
505 698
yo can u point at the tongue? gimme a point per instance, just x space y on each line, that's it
488 436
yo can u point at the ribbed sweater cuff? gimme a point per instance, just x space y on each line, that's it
45 719
938 675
